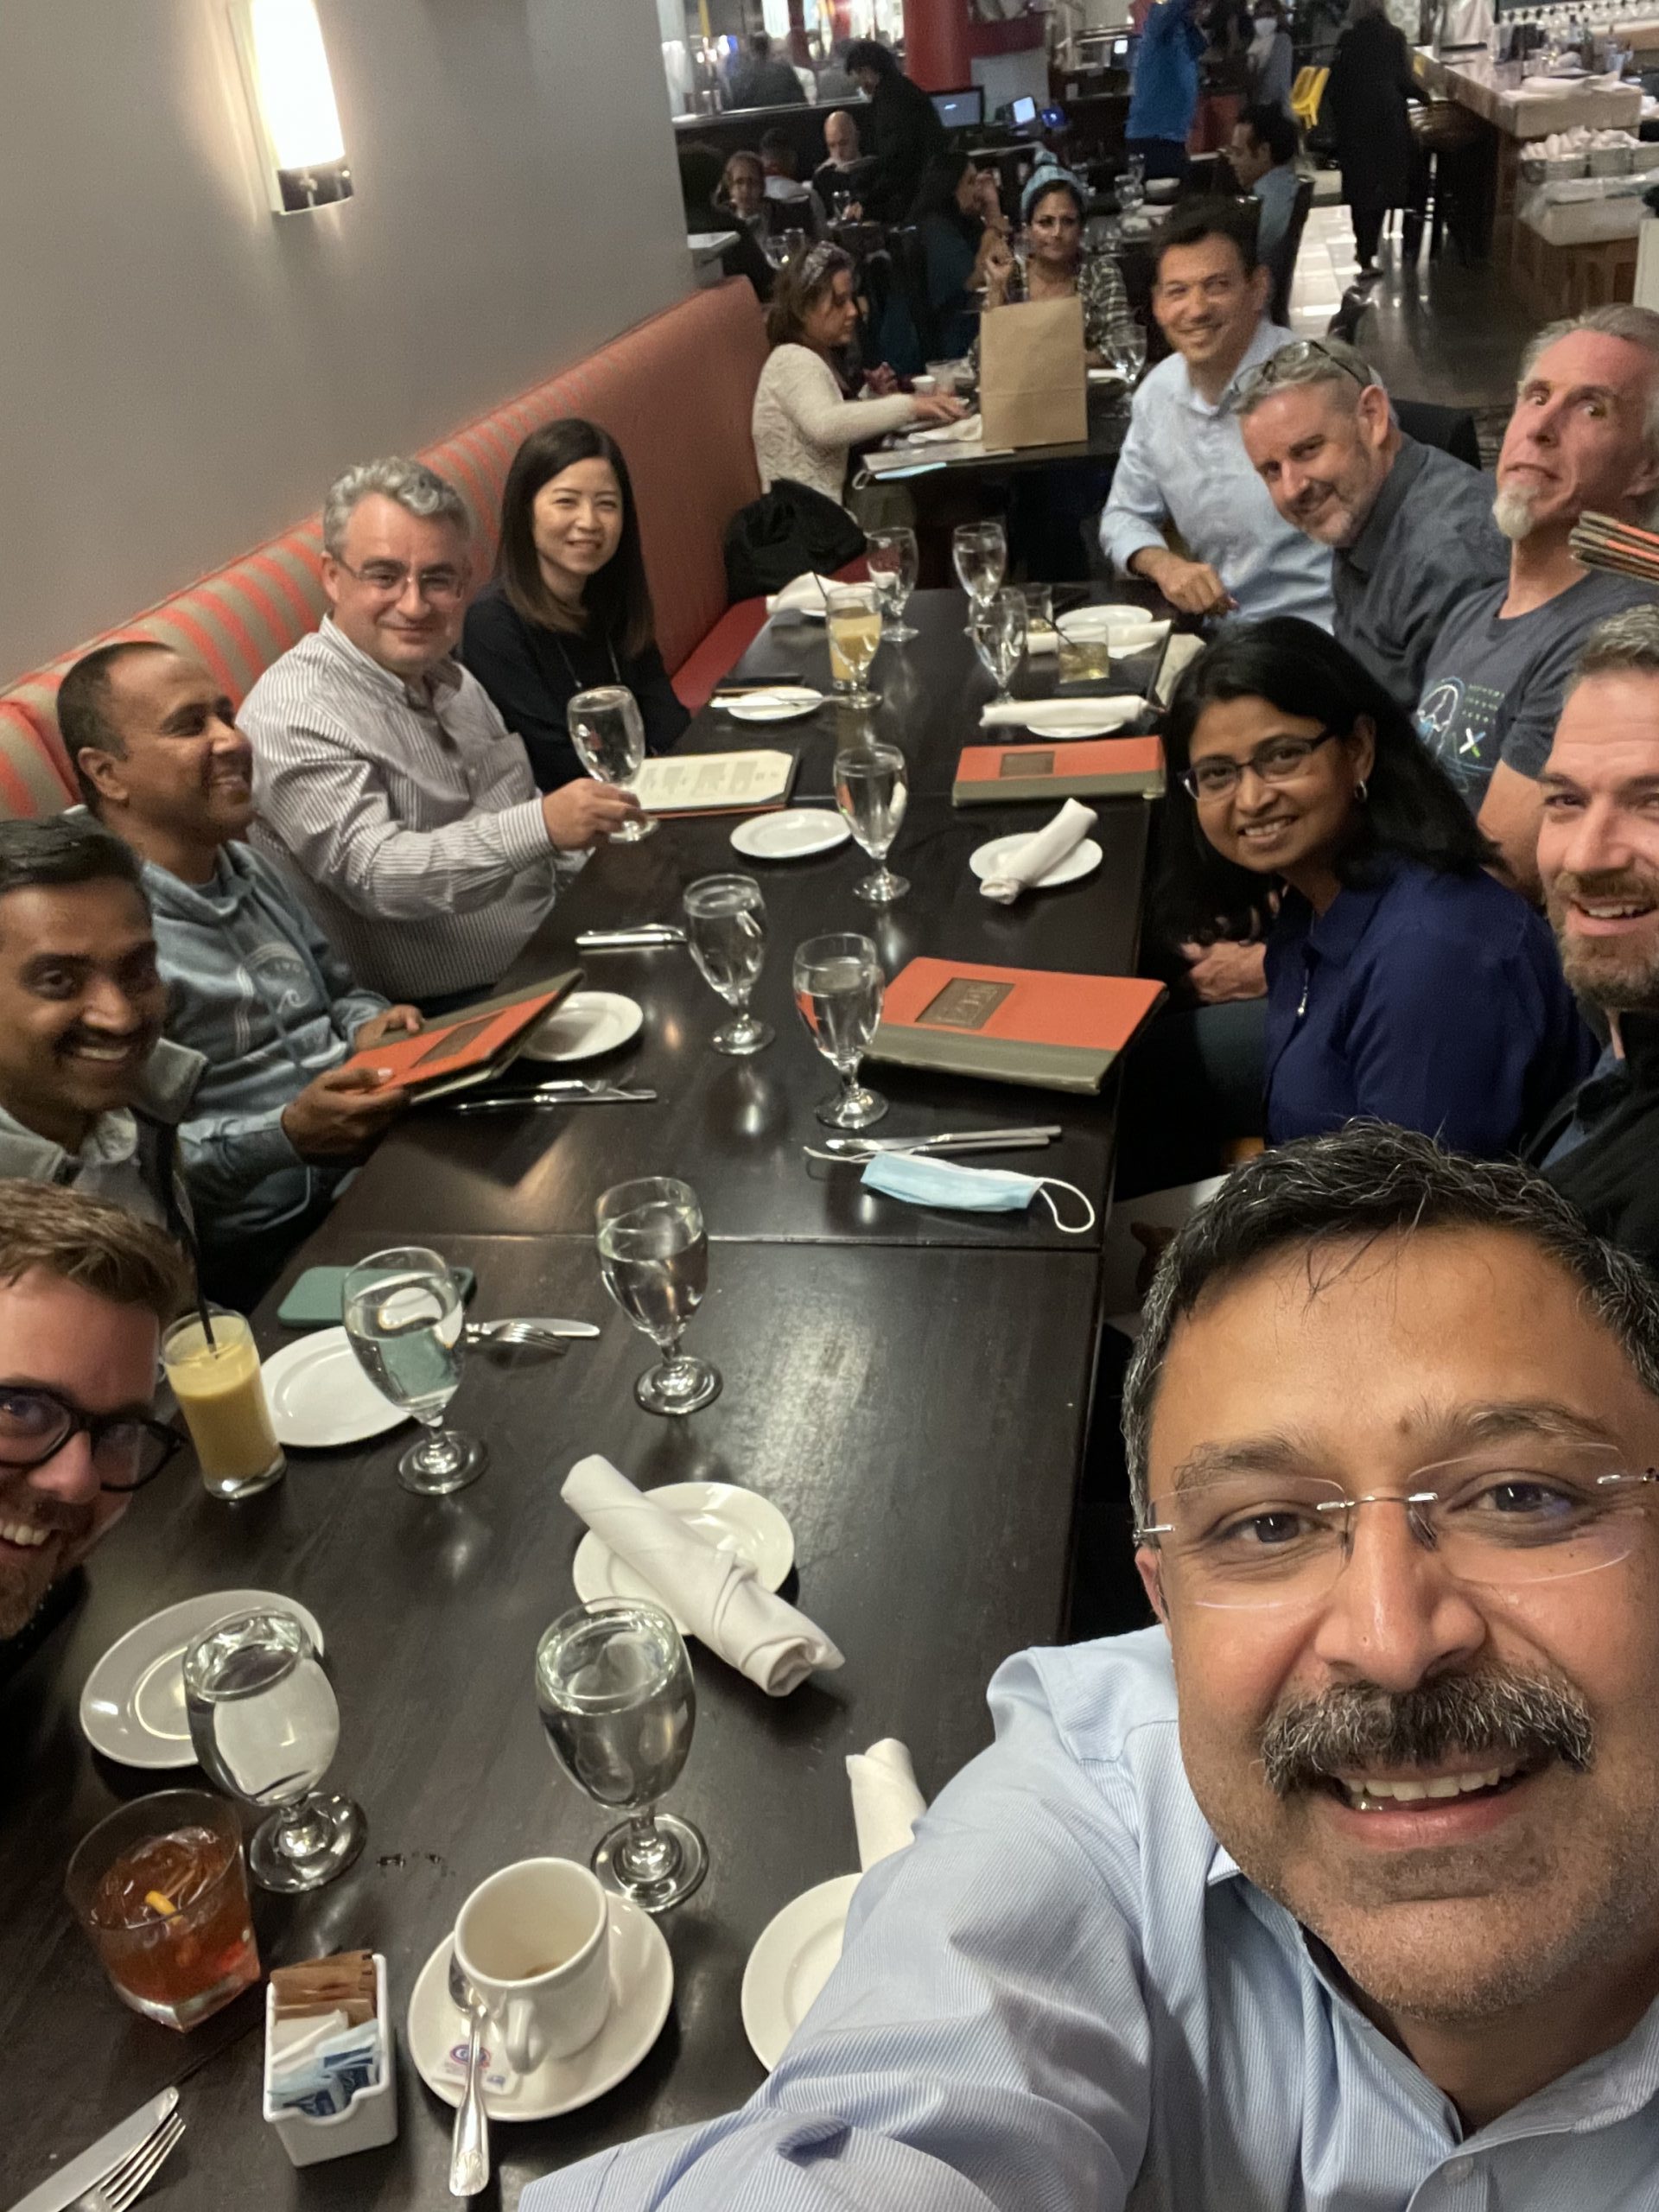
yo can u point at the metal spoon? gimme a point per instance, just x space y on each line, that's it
469 2151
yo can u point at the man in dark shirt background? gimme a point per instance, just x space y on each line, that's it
763 79
903 133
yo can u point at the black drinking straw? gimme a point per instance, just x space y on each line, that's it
207 1324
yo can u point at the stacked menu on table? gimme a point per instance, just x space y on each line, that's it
1106 767
1036 1026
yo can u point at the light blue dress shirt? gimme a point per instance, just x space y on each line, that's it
1184 461
1065 1997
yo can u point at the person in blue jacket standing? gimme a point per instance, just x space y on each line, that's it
1164 96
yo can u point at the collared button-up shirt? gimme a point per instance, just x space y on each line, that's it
1276 189
1065 1997
1184 462
1427 543
409 814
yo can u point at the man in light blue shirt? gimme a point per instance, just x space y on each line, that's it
1184 463
1335 1892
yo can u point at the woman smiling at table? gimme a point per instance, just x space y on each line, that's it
570 606
1404 983
1057 264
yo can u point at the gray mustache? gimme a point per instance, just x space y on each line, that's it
1358 1725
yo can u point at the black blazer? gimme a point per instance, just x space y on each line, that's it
1365 100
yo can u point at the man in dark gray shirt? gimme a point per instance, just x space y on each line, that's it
1410 528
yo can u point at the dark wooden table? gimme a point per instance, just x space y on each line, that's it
913 1390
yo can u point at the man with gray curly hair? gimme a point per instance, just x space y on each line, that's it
385 780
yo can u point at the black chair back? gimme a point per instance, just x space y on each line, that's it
1282 260
1450 429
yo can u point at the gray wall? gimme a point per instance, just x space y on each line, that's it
180 372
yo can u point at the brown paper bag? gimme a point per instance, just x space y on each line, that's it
1033 390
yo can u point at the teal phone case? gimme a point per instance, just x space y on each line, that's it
315 1301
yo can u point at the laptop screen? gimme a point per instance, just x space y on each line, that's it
960 110
1023 114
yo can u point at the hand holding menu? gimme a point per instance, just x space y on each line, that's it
463 1048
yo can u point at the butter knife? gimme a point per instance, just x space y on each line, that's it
83 2173
638 937
946 1141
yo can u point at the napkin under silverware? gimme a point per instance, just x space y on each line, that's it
1028 864
714 1593
887 1803
806 595
1083 713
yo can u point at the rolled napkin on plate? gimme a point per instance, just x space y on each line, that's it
715 1594
804 596
887 1803
1030 863
1058 714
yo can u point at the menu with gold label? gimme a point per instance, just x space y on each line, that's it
1037 1026
1106 767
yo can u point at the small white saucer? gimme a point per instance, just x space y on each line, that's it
796 1953
731 1519
642 1989
786 704
1083 860
790 836
133 1708
583 1026
1067 718
319 1397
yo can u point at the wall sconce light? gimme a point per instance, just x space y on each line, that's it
292 98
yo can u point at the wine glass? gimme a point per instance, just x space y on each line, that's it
610 741
893 562
725 931
1129 353
1000 631
402 1314
839 988
853 613
979 553
264 1723
872 790
654 1254
614 1689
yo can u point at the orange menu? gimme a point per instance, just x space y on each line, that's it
464 1047
1101 767
1038 1026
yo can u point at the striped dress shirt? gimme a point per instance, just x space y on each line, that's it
1065 1997
410 818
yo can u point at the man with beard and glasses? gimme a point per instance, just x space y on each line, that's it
1584 438
1336 1889
85 1290
1410 528
1599 856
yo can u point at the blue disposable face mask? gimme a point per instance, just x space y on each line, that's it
927 1182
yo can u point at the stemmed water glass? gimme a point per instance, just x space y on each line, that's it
979 553
839 987
610 741
264 1723
1000 631
725 931
872 790
894 561
653 1256
1129 351
402 1314
853 616
614 1689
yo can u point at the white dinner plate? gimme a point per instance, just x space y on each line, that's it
583 1026
1083 860
319 1397
133 1708
792 835
796 1953
1063 718
642 1989
731 1519
786 704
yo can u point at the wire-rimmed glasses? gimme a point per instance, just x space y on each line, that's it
402 1312
872 790
609 739
839 988
653 1256
1278 760
894 563
1000 631
726 934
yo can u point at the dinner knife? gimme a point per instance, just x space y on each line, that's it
538 1098
640 934
947 1141
71 2181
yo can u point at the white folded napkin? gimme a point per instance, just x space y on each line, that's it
714 1592
963 433
1060 715
804 596
1030 863
887 1804
1042 640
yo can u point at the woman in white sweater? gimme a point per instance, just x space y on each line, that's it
805 425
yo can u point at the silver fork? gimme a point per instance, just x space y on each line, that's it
123 2184
513 1332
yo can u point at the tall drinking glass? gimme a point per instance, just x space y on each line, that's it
264 1723
402 1312
653 1256
979 553
1000 638
1129 351
853 613
610 741
839 988
614 1690
872 790
725 929
894 561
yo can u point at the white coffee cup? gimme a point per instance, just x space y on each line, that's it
533 1941
924 387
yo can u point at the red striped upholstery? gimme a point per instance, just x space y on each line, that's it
676 394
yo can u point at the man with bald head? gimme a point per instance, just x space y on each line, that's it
846 169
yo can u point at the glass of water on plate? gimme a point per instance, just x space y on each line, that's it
610 741
839 987
872 790
402 1312
264 1723
725 931
614 1690
653 1256
894 561
1000 638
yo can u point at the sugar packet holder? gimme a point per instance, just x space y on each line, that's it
371 2116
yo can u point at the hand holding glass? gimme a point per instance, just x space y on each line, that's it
725 929
610 741
854 618
894 561
839 987
653 1256
402 1312
1000 638
872 790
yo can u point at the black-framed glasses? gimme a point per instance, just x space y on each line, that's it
127 1450
442 585
1281 761
1300 353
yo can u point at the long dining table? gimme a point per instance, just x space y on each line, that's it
911 1387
